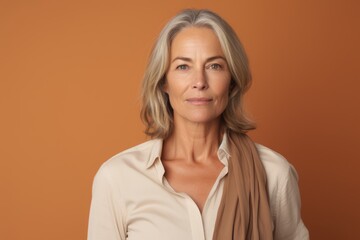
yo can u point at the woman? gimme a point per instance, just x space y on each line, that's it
200 177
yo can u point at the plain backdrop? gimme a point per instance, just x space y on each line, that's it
70 74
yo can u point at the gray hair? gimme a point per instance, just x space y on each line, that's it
156 112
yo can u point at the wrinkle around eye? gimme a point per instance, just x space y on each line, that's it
182 67
215 66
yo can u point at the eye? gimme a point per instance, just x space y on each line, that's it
215 66
182 67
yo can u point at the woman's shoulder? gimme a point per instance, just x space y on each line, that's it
137 156
275 164
284 195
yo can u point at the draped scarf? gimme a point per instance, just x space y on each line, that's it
244 211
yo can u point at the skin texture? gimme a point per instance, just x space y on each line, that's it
197 83
198 77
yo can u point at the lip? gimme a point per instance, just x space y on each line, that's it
199 101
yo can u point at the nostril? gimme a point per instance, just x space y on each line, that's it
201 86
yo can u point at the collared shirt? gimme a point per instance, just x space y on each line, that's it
132 199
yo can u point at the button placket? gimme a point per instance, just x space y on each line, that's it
195 218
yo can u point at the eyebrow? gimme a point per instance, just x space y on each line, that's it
186 59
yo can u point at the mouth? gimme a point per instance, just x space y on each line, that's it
199 101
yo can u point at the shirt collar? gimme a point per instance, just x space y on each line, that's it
155 152
223 151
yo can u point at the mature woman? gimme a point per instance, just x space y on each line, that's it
201 176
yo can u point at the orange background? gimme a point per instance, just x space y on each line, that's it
70 74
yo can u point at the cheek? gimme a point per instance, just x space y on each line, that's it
174 95
223 89
175 88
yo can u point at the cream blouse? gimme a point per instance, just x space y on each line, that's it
132 200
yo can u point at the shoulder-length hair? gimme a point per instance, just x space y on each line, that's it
156 112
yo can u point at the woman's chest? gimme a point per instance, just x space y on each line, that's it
195 180
153 210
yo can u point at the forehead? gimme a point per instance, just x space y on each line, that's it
193 40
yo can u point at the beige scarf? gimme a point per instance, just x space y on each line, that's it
244 212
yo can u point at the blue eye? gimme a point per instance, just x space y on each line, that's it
182 67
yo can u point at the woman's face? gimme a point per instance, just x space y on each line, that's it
198 77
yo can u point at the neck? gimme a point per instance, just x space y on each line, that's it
193 142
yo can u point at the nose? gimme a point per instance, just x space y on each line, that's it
200 80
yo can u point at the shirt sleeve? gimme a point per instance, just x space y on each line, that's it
105 220
289 225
